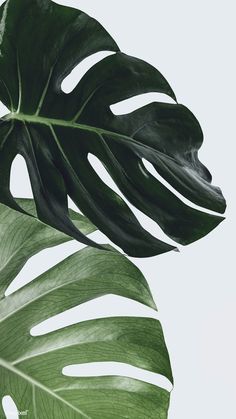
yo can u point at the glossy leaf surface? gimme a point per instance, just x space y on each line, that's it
31 366
40 43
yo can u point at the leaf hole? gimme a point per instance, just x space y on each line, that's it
72 205
3 110
102 307
41 262
10 408
20 185
103 174
151 169
71 81
103 369
132 104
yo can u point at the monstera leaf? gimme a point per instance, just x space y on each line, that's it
40 43
31 366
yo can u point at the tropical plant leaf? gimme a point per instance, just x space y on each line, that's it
41 43
31 366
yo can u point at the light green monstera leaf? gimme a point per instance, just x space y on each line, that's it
40 43
31 366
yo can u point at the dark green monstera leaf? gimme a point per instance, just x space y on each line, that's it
40 43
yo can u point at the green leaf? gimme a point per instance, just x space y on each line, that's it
26 238
41 43
31 366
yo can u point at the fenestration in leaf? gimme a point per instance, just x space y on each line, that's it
41 43
31 366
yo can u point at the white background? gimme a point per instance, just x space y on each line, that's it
191 43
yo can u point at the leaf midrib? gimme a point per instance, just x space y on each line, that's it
60 122
42 120
39 385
